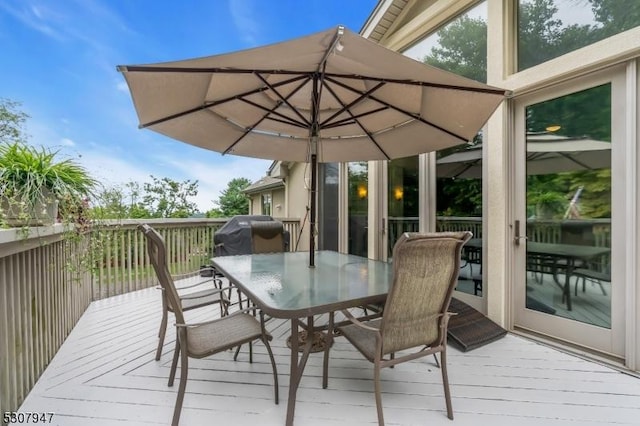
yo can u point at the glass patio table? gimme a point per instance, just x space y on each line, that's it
563 258
283 285
571 254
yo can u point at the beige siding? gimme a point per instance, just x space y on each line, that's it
299 199
278 203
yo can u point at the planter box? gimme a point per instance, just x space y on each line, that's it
14 213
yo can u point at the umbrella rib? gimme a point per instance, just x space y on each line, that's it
286 100
286 119
207 105
464 169
419 83
350 104
350 120
570 158
269 112
407 113
368 133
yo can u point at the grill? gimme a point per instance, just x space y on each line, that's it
234 237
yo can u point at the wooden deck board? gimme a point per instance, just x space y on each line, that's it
105 374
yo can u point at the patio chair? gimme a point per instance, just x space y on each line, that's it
211 294
596 272
200 340
425 272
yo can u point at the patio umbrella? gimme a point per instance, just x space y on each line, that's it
546 153
332 96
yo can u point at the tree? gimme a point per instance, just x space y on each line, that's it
121 202
615 16
162 198
462 48
169 198
233 201
12 122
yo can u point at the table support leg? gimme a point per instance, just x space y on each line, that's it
297 366
329 343
567 283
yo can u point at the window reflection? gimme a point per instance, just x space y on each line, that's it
358 207
266 204
403 198
328 206
550 28
460 46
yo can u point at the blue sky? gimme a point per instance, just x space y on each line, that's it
59 61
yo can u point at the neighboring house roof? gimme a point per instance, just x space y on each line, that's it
263 184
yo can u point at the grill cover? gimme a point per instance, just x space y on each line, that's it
234 237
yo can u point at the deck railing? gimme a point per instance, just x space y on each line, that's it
47 280
43 293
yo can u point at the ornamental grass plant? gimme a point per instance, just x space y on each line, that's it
33 179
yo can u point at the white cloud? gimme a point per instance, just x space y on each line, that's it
245 20
213 177
113 169
122 86
67 142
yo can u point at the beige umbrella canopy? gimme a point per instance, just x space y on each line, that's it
546 153
332 96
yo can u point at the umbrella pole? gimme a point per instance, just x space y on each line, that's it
314 186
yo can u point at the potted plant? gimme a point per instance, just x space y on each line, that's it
35 184
547 204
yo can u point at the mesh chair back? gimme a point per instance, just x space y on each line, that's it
425 268
158 257
267 237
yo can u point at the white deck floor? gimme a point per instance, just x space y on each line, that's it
105 374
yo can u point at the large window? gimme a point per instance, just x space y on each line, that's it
460 47
550 28
328 206
266 204
403 198
358 207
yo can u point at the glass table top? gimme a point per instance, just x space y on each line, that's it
284 286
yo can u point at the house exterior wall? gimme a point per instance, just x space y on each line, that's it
278 204
298 199
255 204
406 28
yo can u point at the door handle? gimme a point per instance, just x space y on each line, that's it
517 237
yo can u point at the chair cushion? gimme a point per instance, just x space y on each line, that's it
364 340
226 333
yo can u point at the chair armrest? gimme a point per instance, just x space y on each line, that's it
186 275
215 282
198 296
198 324
357 322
